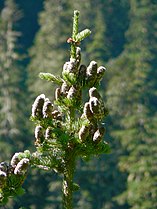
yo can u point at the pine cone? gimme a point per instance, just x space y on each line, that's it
83 133
70 67
96 104
38 106
93 92
100 73
82 75
15 159
47 108
39 135
4 166
87 111
91 73
56 115
72 93
98 135
65 88
48 133
21 167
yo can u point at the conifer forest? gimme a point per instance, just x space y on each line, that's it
78 104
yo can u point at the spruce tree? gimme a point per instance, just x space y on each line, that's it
65 130
132 93
101 44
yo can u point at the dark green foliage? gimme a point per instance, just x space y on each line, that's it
12 176
9 81
28 24
133 73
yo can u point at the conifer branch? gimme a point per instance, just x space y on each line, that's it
65 129
75 24
82 35
51 77
76 36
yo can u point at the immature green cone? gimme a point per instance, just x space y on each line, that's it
21 167
38 106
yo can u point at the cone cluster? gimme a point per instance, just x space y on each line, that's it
75 78
93 111
46 116
12 174
66 128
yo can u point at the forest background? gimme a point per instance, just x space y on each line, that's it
33 38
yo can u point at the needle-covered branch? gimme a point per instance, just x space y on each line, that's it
65 129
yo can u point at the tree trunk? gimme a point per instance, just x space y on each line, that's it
68 183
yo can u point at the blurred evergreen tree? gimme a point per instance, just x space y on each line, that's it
98 39
14 128
28 24
132 95
107 31
50 41
10 80
117 20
